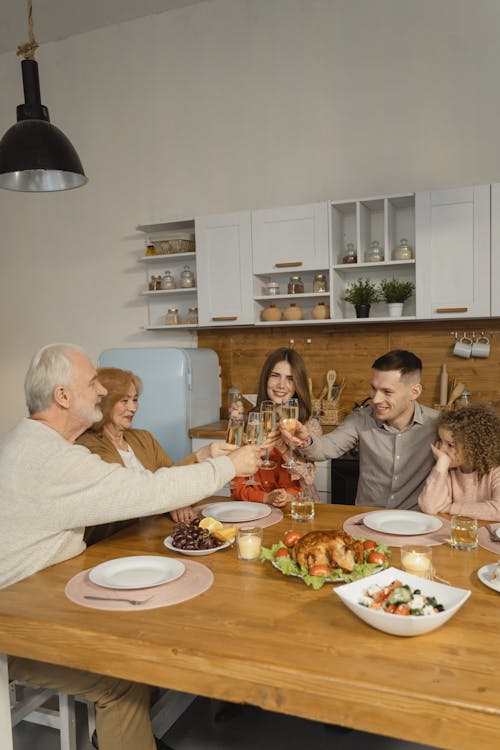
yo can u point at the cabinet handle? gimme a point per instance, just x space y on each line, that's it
228 317
292 264
451 309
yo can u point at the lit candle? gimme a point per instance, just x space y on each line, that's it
417 563
249 542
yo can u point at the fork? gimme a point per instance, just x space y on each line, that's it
491 532
114 599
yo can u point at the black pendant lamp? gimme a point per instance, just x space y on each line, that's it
35 156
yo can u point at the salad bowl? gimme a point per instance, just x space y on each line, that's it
450 597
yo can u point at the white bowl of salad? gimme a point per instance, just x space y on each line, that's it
399 603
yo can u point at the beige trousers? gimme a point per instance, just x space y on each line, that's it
122 708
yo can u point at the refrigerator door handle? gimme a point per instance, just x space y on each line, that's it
189 379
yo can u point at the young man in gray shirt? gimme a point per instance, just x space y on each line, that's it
393 435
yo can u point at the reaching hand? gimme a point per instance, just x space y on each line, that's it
246 460
214 450
300 434
278 498
182 515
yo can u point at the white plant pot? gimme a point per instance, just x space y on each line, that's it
395 309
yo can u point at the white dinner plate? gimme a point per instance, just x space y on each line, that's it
403 522
484 574
169 545
139 572
236 512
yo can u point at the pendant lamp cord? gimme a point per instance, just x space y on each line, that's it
29 48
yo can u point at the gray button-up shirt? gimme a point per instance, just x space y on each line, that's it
393 464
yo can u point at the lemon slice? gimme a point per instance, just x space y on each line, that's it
226 534
211 524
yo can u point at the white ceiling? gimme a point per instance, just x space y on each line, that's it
58 19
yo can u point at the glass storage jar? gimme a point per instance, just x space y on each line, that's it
155 282
150 250
192 316
172 317
319 283
187 278
374 254
295 285
168 281
271 289
403 251
351 255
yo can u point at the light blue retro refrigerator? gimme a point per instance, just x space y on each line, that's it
181 390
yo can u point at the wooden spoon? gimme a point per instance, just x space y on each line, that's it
331 376
310 387
456 393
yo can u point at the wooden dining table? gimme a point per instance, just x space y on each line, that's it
262 638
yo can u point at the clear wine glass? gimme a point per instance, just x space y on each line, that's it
234 431
289 418
268 411
254 435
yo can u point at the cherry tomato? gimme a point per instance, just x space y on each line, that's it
402 609
319 570
369 544
376 558
282 552
291 538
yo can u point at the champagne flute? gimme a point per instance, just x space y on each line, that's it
289 418
254 435
234 431
268 412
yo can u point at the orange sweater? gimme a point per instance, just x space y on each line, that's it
268 480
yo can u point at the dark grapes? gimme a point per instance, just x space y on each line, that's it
189 536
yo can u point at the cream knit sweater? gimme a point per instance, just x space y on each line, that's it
50 489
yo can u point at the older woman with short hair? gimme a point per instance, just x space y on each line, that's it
115 440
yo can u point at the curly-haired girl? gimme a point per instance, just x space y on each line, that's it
465 479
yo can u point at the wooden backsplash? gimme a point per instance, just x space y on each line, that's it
351 349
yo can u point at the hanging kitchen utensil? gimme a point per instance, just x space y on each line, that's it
331 376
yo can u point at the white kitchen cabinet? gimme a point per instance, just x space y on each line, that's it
160 301
358 223
224 264
495 250
293 239
453 239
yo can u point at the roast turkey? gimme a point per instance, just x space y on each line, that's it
333 548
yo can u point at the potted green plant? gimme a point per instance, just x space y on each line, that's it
395 292
362 294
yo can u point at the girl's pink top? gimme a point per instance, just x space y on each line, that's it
462 494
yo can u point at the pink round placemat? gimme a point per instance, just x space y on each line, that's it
441 536
196 579
275 516
484 541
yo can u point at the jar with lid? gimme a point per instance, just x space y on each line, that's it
150 250
192 316
321 311
187 278
155 282
168 281
271 313
172 317
403 251
319 283
351 255
293 312
295 285
271 289
374 254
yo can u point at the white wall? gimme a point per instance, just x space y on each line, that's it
227 105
